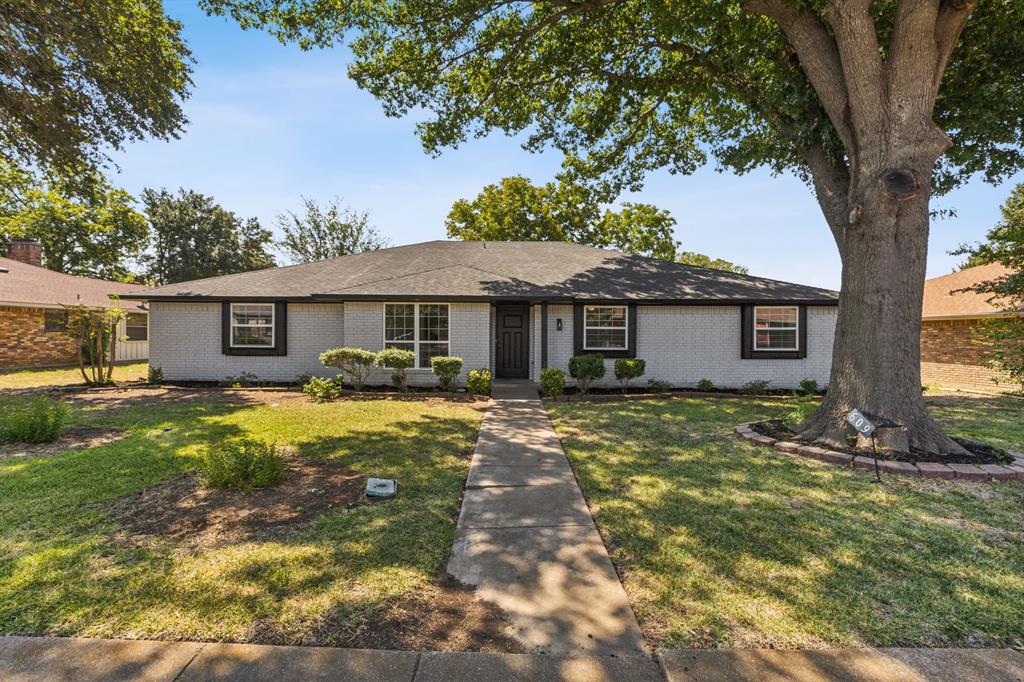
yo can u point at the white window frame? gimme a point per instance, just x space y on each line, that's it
795 328
586 328
416 329
273 327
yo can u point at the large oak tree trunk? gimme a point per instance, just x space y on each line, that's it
876 359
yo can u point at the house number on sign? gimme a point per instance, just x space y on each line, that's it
860 422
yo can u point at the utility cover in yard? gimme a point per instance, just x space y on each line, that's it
381 487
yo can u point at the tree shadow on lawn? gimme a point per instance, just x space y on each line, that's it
729 544
319 586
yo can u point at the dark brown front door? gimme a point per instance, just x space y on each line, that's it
512 345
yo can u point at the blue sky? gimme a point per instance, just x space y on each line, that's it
269 123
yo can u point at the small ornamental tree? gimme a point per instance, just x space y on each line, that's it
447 369
355 363
585 369
627 369
397 360
95 334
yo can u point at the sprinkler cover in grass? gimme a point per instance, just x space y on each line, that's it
381 487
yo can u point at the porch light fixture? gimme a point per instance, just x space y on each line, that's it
558 324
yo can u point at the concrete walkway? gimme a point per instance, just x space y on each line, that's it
526 539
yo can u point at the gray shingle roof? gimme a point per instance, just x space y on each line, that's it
453 270
31 285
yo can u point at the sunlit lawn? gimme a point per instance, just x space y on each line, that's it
64 376
61 573
723 543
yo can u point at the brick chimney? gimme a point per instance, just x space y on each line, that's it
26 250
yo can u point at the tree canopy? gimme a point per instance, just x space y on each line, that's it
1004 243
89 229
517 210
700 260
194 237
318 233
78 78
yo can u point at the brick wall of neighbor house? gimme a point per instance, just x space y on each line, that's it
25 343
683 344
185 341
950 358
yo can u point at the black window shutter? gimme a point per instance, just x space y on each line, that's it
802 312
746 332
577 329
281 328
225 328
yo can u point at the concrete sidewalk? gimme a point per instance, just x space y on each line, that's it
527 542
29 659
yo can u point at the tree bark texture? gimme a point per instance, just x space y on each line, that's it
876 201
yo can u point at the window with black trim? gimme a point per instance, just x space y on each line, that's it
136 327
55 321
605 327
419 327
252 325
776 328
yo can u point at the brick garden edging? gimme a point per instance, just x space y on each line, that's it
969 472
662 395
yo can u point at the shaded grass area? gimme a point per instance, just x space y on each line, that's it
722 543
997 421
65 376
62 573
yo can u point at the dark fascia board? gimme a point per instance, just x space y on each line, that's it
335 298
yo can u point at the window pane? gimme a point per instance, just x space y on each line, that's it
252 336
433 322
605 316
782 339
775 317
399 322
135 327
430 350
55 320
606 338
255 313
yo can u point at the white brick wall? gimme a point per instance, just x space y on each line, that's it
185 342
683 344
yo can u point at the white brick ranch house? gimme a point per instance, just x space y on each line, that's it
513 307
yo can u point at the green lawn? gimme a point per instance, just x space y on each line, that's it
722 543
64 376
63 571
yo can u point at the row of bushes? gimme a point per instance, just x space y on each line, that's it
33 420
356 363
588 368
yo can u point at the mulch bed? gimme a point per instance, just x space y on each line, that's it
181 509
981 453
75 438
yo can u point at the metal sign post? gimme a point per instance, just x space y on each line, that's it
864 427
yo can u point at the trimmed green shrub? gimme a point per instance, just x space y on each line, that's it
155 375
705 385
446 368
479 381
397 360
552 381
627 369
808 387
321 390
355 363
658 386
756 387
585 369
34 420
243 463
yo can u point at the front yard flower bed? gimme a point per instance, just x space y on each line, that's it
991 463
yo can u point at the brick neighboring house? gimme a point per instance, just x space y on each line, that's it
949 356
33 316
